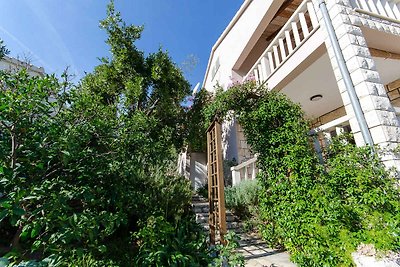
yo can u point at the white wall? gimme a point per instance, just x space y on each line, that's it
198 170
12 64
244 30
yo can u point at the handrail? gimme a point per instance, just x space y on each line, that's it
286 42
383 9
244 164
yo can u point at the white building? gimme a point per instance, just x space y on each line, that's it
12 64
287 44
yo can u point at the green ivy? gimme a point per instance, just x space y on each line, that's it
319 213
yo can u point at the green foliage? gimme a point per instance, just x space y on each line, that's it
203 191
319 213
196 123
152 85
226 254
3 50
182 244
81 166
242 199
165 244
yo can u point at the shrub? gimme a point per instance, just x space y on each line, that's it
165 244
203 191
182 244
242 199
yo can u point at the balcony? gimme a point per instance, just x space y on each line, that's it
297 30
385 9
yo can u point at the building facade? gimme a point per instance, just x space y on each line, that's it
13 64
339 59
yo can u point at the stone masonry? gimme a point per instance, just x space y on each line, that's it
377 108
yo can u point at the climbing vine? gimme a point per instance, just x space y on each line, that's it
319 213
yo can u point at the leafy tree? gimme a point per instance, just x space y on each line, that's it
196 124
87 172
81 166
3 50
150 85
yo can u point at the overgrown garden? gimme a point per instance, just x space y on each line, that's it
88 171
88 175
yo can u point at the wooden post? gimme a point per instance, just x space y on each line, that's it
211 222
216 197
221 186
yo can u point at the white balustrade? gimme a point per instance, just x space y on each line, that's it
386 9
322 135
244 171
300 26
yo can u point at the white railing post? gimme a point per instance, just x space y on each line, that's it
287 41
313 15
296 33
253 171
235 176
271 61
303 24
380 8
265 67
282 48
248 168
261 73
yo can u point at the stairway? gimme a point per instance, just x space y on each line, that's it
201 209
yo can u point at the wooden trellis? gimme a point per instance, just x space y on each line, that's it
216 197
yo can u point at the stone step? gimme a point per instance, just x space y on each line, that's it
200 207
197 198
203 217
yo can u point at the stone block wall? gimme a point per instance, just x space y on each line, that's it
393 92
377 108
244 151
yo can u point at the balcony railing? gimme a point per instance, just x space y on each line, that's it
300 26
386 9
321 135
244 171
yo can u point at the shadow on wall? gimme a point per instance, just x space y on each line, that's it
198 170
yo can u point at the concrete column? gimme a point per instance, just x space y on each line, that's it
379 112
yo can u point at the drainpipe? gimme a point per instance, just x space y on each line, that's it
355 103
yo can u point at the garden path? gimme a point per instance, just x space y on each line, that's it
252 247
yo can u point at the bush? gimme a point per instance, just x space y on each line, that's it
182 244
203 191
242 199
164 244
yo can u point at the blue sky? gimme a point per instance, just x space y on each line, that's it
56 34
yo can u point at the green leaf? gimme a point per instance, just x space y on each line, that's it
18 211
3 214
35 231
36 245
102 248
